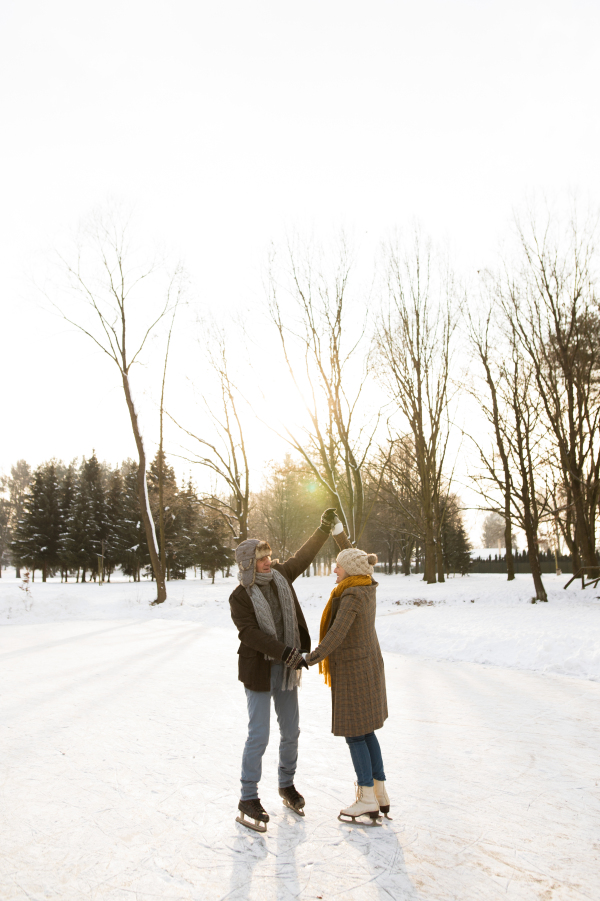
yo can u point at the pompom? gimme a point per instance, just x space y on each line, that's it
371 559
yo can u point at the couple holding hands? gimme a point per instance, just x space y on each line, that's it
275 647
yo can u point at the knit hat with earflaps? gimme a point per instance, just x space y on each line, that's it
246 555
356 562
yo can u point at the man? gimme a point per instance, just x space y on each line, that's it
273 635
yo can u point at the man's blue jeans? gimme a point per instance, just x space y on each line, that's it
366 757
259 720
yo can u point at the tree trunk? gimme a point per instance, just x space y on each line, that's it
585 541
510 563
536 571
18 571
161 590
439 552
44 571
439 560
429 563
161 513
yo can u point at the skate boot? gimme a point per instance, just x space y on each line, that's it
254 809
365 805
382 798
292 799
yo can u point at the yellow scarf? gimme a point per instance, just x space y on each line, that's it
337 591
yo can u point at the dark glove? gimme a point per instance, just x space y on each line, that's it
293 658
327 519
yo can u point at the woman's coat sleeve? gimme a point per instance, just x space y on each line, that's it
349 606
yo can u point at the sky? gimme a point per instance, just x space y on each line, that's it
226 125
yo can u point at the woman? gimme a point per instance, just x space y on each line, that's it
349 657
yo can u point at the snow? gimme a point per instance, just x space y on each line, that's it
480 618
123 727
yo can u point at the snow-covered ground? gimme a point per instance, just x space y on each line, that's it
480 618
122 728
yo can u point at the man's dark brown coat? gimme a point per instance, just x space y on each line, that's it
253 670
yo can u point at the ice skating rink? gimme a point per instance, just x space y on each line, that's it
120 746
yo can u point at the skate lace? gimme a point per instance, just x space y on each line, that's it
292 794
255 807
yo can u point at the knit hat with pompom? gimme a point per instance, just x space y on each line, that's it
356 562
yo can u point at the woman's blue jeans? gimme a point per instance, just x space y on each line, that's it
366 757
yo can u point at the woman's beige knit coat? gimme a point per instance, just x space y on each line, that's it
358 696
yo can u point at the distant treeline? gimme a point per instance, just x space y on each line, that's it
64 518
497 564
69 518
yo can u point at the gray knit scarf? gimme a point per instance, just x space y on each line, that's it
291 633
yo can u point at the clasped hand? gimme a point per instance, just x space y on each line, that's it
293 658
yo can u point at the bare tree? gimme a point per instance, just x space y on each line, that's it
161 453
414 344
397 522
226 457
114 296
484 347
494 531
518 473
552 301
321 346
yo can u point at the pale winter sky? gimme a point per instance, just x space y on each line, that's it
226 124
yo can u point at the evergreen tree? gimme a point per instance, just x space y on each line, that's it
130 538
93 476
170 512
114 518
86 522
456 546
5 530
67 490
189 522
37 538
213 552
74 555
18 483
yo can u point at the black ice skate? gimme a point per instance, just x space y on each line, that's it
292 799
254 809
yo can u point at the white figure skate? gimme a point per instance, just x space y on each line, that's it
382 798
365 806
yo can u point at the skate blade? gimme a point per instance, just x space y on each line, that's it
358 821
256 826
293 809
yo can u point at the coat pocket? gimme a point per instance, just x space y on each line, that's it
349 655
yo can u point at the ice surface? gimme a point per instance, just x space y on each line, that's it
122 728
